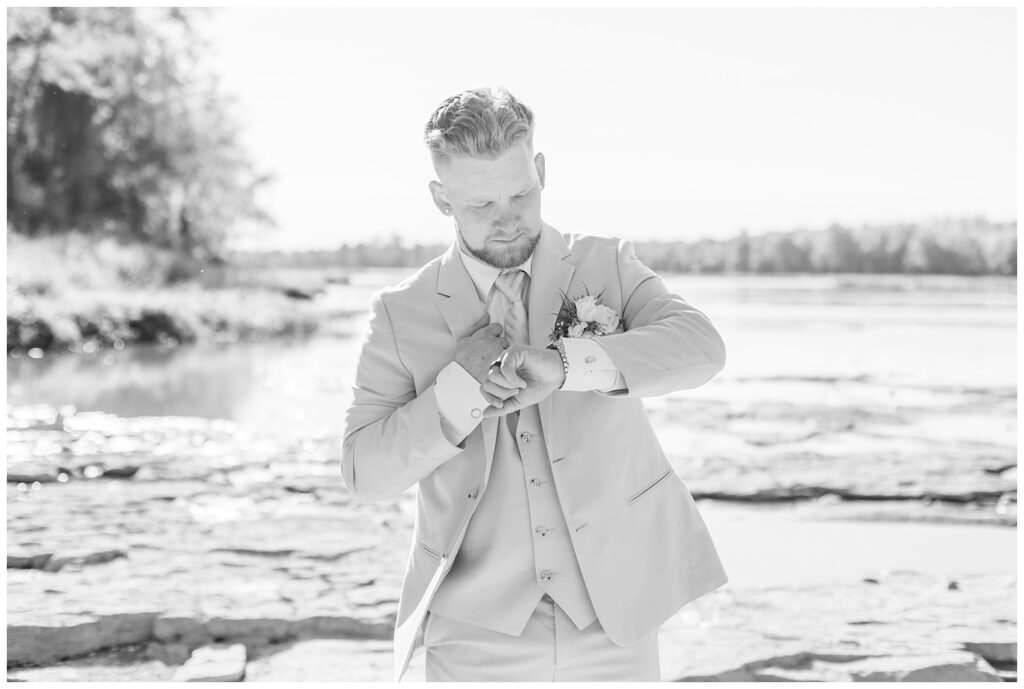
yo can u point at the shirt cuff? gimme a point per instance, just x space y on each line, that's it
590 366
459 401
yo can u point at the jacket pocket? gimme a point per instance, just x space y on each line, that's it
428 550
648 487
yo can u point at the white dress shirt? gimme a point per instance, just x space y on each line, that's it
459 399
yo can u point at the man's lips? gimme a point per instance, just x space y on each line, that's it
506 241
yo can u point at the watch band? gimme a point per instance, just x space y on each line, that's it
565 361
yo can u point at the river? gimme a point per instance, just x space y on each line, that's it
926 366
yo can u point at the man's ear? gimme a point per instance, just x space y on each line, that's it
538 162
440 197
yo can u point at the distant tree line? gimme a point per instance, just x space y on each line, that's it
115 127
390 253
946 246
950 246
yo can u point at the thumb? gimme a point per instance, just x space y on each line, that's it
495 328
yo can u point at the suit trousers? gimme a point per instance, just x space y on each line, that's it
550 649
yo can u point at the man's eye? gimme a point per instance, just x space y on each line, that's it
484 205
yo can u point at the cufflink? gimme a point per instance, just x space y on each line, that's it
590 359
476 413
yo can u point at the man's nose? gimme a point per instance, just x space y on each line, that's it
507 221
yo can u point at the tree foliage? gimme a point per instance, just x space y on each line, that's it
944 246
114 127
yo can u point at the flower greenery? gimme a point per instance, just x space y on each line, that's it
567 317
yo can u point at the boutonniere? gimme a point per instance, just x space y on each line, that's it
584 316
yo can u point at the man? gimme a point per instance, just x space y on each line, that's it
552 538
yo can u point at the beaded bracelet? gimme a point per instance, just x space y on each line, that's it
565 360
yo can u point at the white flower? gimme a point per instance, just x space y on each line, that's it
577 330
585 308
606 318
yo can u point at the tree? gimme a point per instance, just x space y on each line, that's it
738 256
835 251
114 126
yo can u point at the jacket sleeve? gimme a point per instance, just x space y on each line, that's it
392 438
667 344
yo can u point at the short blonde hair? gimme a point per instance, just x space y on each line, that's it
477 122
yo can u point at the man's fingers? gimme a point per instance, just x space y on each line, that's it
508 370
511 405
497 375
492 400
490 389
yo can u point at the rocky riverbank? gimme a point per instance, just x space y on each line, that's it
895 626
99 319
182 538
82 293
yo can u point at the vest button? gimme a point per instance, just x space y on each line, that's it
546 575
534 482
525 436
542 530
476 413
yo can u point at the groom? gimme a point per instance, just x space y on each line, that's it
552 538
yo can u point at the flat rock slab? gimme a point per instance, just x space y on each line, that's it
223 663
175 636
948 667
128 663
813 667
38 645
818 631
322 660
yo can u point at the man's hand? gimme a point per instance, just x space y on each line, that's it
477 351
526 376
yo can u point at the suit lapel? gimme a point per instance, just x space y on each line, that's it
456 294
461 308
457 300
550 276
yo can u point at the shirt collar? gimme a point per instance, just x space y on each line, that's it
484 275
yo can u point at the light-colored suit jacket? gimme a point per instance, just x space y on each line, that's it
642 546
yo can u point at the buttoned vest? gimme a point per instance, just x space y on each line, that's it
517 546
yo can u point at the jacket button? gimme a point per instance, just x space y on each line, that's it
476 413
472 494
525 436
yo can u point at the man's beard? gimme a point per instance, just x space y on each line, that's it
501 258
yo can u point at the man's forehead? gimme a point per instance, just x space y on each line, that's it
472 173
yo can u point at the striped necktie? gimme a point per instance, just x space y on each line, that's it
509 309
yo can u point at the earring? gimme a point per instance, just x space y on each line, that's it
447 211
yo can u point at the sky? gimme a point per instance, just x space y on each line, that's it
671 123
